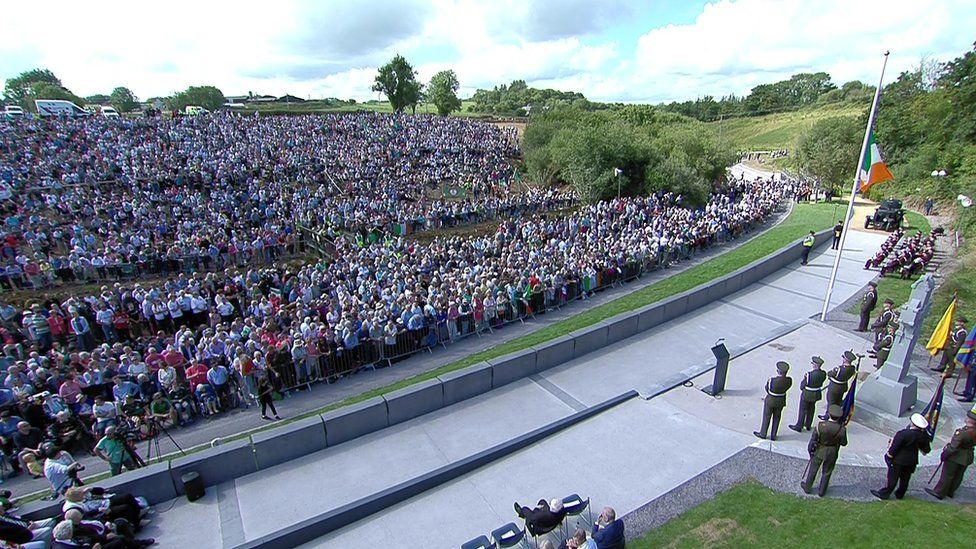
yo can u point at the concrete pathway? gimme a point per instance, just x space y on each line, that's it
624 457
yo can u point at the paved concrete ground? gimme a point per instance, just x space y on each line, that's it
625 457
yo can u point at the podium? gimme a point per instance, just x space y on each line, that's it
721 370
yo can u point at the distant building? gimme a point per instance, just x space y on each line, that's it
290 99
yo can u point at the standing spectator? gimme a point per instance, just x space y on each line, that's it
82 330
838 232
266 398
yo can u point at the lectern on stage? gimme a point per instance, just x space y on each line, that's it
721 368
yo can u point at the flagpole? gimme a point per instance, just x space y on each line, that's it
854 189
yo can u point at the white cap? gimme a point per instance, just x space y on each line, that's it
919 421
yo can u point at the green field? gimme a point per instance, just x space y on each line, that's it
751 515
778 131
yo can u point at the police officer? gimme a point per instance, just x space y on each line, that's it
868 302
955 342
825 443
902 457
882 347
808 242
838 378
776 389
886 316
956 457
811 391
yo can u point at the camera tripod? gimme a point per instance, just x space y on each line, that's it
157 428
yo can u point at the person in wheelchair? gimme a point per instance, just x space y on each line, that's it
206 399
183 402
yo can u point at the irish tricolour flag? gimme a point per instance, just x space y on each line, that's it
873 169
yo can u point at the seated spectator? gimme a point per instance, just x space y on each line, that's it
8 428
24 533
93 532
161 410
207 398
95 503
28 438
579 541
219 379
544 517
122 389
608 532
69 432
105 415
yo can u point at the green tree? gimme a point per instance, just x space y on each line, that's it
98 99
442 92
20 89
398 82
43 90
208 97
829 150
124 100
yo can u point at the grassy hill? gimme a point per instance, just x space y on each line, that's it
781 130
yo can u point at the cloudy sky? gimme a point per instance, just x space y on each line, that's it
610 50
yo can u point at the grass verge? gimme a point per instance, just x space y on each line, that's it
751 515
894 287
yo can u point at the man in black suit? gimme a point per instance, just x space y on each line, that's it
902 456
545 517
868 303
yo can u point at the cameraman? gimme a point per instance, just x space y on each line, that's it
112 448
60 468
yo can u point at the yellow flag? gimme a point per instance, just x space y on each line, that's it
941 334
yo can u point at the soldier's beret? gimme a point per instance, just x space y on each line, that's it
889 301
817 360
962 319
782 367
835 411
873 284
849 356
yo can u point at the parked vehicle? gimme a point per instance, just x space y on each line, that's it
887 217
194 110
13 112
59 107
110 112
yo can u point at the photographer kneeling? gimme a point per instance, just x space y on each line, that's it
112 448
60 468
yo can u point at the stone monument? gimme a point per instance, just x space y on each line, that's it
890 389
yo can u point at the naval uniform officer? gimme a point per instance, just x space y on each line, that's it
776 389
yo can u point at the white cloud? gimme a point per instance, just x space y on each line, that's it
332 47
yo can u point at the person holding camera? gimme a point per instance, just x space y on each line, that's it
112 449
60 468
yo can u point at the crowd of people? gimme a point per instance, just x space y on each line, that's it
94 371
97 199
904 256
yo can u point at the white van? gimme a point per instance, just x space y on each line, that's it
59 107
13 112
193 110
110 112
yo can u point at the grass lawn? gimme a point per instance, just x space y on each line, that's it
781 130
751 515
893 287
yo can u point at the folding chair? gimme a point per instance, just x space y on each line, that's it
480 542
508 536
574 507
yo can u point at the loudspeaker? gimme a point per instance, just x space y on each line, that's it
193 485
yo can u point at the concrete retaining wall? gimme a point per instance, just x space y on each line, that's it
161 482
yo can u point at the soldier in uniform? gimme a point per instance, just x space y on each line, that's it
838 378
811 389
776 389
868 302
838 231
956 457
825 443
882 347
956 339
886 316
